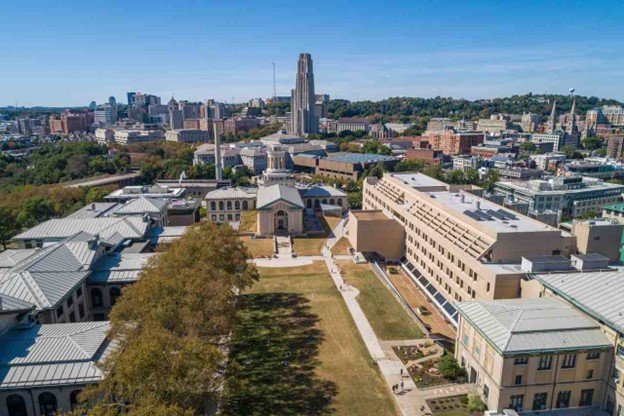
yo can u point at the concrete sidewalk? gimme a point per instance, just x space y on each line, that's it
408 401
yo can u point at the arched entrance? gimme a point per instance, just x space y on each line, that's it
281 222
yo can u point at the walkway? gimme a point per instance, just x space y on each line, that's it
284 247
390 367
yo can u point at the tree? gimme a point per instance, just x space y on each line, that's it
449 367
527 146
8 226
491 178
169 330
409 165
35 210
376 147
592 143
475 404
570 152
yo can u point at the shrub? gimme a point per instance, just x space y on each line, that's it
449 367
463 399
475 404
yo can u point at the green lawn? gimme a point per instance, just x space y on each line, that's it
298 352
260 247
308 246
385 314
341 247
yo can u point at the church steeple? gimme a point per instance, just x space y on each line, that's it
572 122
552 123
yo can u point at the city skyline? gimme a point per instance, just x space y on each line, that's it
365 52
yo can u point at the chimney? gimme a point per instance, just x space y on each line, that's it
217 143
478 203
93 207
463 198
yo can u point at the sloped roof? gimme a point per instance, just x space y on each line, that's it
253 152
143 205
94 210
599 294
323 191
10 258
527 325
165 234
10 303
46 276
57 229
53 354
232 193
274 193
119 268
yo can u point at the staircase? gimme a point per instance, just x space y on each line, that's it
284 247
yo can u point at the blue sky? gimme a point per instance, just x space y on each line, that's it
68 52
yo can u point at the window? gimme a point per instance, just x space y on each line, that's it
213 206
81 311
569 361
59 311
220 205
245 205
515 402
221 217
486 391
72 317
465 339
563 399
545 362
16 405
587 397
96 297
590 374
214 217
229 205
237 205
539 401
521 361
47 404
237 217
229 217
518 380
70 301
114 293
78 292
593 355
73 399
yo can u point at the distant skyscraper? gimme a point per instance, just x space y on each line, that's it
92 105
112 101
303 120
131 97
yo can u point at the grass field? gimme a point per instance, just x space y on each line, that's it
311 246
298 351
385 314
260 247
341 247
248 222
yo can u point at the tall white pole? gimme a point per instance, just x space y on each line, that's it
217 143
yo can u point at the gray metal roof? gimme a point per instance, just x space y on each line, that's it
599 294
232 193
274 193
119 268
10 258
323 191
143 205
94 210
53 354
57 229
165 234
514 326
46 276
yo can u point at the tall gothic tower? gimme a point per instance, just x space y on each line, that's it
302 117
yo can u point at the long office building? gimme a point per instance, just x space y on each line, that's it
456 246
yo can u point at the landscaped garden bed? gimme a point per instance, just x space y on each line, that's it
407 353
456 406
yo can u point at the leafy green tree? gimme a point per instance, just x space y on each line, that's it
35 210
376 147
475 404
409 165
592 143
8 226
449 367
527 146
170 330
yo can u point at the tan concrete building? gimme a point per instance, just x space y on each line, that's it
280 210
533 354
459 246
598 236
225 205
374 231
599 295
450 142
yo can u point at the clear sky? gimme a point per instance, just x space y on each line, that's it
69 52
